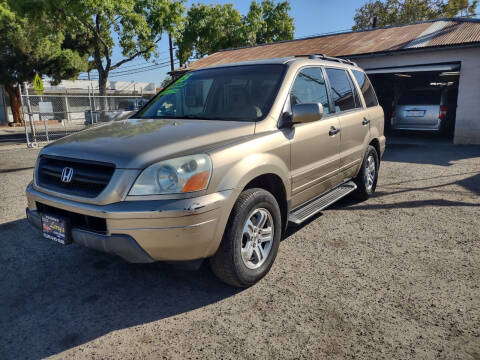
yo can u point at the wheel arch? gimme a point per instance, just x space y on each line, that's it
266 171
274 185
376 144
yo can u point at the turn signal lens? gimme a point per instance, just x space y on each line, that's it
197 182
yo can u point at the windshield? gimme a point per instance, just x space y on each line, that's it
238 93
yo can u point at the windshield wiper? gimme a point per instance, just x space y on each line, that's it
166 117
198 117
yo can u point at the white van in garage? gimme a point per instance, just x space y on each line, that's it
424 109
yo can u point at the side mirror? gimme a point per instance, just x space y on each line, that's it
308 112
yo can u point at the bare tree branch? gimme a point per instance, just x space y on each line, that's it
120 63
140 53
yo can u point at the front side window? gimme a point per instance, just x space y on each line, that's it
309 87
366 87
239 93
342 92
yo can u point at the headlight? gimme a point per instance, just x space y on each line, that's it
180 175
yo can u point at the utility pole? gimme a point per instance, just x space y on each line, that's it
171 52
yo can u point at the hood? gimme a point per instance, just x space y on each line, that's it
136 143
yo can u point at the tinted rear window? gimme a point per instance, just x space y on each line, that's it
366 88
420 98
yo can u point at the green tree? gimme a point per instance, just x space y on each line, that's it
209 28
28 47
268 22
397 12
460 7
138 26
168 79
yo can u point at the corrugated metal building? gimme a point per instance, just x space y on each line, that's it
444 52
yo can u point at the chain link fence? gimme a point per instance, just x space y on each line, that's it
50 117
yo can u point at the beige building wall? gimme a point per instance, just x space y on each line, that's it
467 124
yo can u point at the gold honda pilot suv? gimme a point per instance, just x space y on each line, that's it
215 166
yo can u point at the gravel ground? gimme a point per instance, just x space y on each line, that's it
396 276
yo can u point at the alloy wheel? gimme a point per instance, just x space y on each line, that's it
370 170
257 238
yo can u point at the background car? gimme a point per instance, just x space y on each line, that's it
423 109
126 108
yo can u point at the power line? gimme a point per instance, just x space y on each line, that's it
155 67
130 71
133 71
114 74
136 67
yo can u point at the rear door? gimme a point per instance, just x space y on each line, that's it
314 147
354 122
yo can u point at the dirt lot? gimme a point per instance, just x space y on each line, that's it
397 276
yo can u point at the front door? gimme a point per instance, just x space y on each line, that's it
315 147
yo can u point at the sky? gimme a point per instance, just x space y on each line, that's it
312 17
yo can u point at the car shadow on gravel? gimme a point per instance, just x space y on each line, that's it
443 154
56 297
471 184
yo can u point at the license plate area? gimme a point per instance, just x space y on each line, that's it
416 113
56 228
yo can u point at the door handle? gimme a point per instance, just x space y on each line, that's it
333 131
365 121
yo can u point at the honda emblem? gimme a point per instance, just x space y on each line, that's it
67 174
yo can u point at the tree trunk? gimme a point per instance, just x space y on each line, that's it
102 89
15 103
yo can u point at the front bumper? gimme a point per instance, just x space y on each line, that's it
398 124
122 245
147 230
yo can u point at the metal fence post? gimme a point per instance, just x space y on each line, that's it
44 119
94 105
90 104
24 120
135 96
67 107
67 110
30 115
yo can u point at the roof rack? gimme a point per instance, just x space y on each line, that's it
328 58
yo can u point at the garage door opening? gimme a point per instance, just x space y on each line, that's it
421 100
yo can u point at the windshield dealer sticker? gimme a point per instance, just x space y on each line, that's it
174 88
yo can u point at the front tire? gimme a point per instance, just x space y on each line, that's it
251 239
367 177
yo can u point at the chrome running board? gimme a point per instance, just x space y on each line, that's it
314 206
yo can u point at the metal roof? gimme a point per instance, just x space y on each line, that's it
436 33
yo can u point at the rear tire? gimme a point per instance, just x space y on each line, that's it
251 239
367 177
